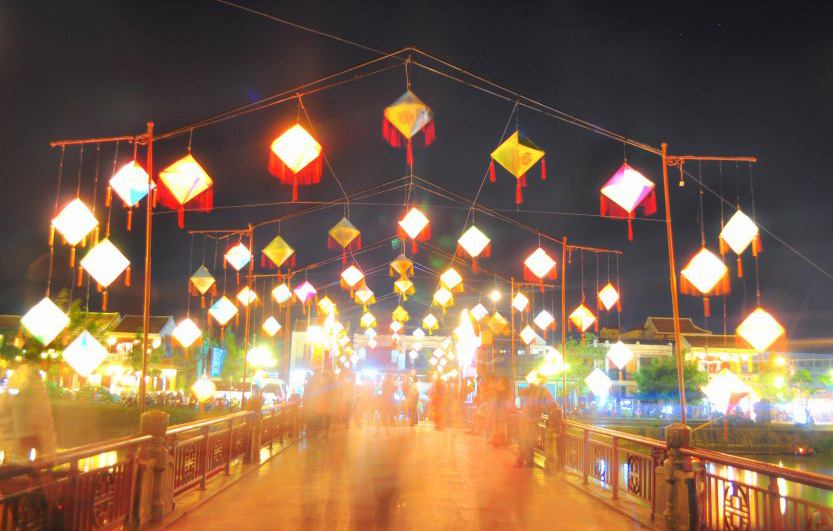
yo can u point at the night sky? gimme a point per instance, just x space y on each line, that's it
708 80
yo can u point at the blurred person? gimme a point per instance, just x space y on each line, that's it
347 396
27 428
411 392
438 397
537 400
501 406
386 402
328 399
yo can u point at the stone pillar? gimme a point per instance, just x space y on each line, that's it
155 487
555 439
254 423
675 469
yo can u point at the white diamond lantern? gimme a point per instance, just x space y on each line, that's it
370 333
582 318
704 271
413 354
417 346
186 332
608 296
598 382
104 263
368 320
326 306
238 256
540 264
473 241
74 221
131 183
544 320
395 327
246 296
520 302
304 291
365 295
271 326
479 312
620 355
203 389
45 321
760 329
528 335
443 297
739 232
281 293
222 310
452 280
413 223
352 276
371 343
418 334
85 354
429 322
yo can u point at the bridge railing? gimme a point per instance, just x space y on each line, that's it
133 480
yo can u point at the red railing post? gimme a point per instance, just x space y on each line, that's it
774 515
614 469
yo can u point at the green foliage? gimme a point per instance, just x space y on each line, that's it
659 380
135 356
583 357
233 364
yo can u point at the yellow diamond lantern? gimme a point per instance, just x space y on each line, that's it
620 355
202 279
517 154
186 332
104 263
271 326
760 329
520 302
443 297
296 148
326 305
408 114
608 296
351 276
452 280
739 232
598 382
222 310
413 223
540 264
479 311
400 314
528 335
344 232
429 322
185 179
246 296
704 270
74 221
404 287
304 291
544 320
497 323
473 241
582 318
281 293
131 183
368 320
401 266
365 296
278 251
85 354
238 256
203 389
44 321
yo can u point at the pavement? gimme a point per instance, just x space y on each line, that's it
400 478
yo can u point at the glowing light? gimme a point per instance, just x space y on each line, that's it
261 357
400 314
371 343
316 335
608 296
620 355
326 305
739 232
185 179
44 321
532 377
370 333
304 291
271 326
396 327
479 312
352 276
494 295
246 296
402 266
238 256
520 302
780 361
85 354
451 279
368 320
627 188
429 322
203 389
582 318
528 335
74 221
760 329
598 383
413 354
417 346
413 223
721 388
296 148
281 293
344 232
202 279
104 262
473 241
418 334
544 320
365 295
130 182
222 310
704 270
408 114
278 251
443 297
517 154
186 332
497 323
403 286
540 263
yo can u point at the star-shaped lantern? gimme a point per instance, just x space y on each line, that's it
415 226
44 321
517 155
538 266
430 323
271 326
582 318
222 310
238 256
345 236
609 297
185 182
404 119
760 329
737 234
131 183
624 192
528 335
368 320
479 312
520 302
281 293
295 158
498 323
278 252
404 287
402 266
304 291
105 262
474 243
85 354
246 296
544 320
620 355
400 314
598 382
186 332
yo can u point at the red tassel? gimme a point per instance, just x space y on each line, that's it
429 133
630 230
127 277
543 168
109 197
155 196
519 198
80 277
740 268
104 301
129 218
391 134
344 256
410 156
180 217
492 170
619 304
756 245
723 247
72 256
414 247
214 290
523 180
706 309
473 265
294 191
202 301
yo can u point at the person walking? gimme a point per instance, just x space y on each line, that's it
537 400
502 405
411 392
386 408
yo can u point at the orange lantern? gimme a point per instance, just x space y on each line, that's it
278 252
415 226
608 297
404 287
402 266
760 329
538 266
705 274
185 183
582 318
474 243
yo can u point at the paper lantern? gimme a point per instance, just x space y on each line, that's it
452 280
246 296
74 222
417 346
277 253
760 329
415 226
528 335
202 280
351 277
544 320
304 291
404 119
582 318
400 314
281 293
598 382
185 183
105 263
85 354
402 266
620 354
364 296
371 343
430 323
705 274
396 327
404 287
497 323
238 256
624 192
520 302
418 334
295 158
479 311
368 320
474 243
203 389
722 388
222 310
346 236
326 306
737 234
44 321
538 266
444 298
131 183
271 326
609 296
186 332
370 333
517 155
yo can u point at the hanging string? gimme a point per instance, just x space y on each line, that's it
598 303
702 236
109 203
95 197
80 167
754 220
625 151
52 228
190 137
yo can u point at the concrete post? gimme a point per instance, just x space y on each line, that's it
676 513
555 430
254 423
155 486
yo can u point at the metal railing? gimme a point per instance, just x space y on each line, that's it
71 491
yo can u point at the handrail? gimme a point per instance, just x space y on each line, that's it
197 424
617 434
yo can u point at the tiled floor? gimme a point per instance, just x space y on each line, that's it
402 478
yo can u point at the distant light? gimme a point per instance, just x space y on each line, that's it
494 295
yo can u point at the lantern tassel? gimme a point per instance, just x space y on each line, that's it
429 133
202 301
630 230
127 277
72 256
80 276
51 235
180 217
294 191
108 197
104 301
492 170
519 198
129 218
706 309
740 268
410 155
723 247
543 168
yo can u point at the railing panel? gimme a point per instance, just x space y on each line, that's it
189 461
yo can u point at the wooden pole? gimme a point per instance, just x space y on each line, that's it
248 318
146 304
564 322
514 350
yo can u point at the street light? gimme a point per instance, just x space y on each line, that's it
494 295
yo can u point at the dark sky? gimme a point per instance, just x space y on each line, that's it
713 78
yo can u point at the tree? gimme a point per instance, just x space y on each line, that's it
233 363
805 385
583 357
659 380
135 356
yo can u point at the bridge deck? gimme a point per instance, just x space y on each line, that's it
404 478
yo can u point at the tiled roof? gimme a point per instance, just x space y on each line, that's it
665 325
131 324
717 341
